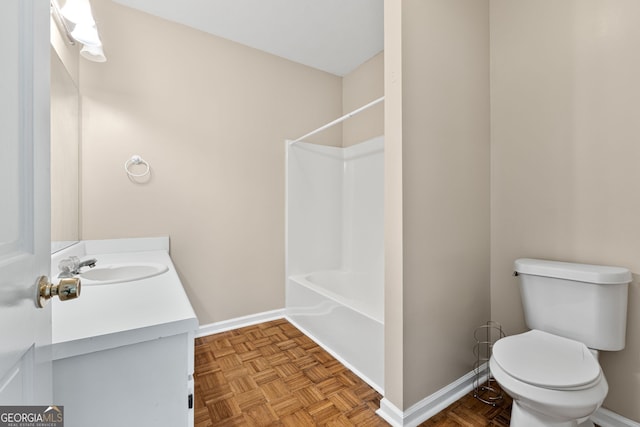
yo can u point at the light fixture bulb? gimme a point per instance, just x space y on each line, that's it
86 34
78 11
93 53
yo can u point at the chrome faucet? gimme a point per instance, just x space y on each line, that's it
71 266
91 262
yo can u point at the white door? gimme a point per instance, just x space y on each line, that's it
25 330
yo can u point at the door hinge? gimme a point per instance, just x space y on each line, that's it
190 401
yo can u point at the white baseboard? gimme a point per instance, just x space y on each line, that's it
427 407
606 418
239 322
444 397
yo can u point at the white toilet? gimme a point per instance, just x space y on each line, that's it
552 371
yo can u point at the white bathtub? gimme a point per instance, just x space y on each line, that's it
344 312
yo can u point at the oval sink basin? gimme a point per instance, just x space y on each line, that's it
121 272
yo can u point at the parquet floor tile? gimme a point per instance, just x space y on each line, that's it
273 375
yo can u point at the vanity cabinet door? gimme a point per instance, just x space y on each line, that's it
146 384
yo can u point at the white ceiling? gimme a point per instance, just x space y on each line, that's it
332 35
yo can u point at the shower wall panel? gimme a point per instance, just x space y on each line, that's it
314 208
335 208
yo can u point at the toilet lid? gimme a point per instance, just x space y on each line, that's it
546 360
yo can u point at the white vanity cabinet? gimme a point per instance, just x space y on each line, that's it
123 353
143 384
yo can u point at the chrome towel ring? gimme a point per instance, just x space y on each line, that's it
136 160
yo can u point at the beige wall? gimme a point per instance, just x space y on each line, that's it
564 123
442 81
361 86
211 117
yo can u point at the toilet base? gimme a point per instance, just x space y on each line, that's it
525 417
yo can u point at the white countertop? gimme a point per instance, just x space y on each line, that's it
112 315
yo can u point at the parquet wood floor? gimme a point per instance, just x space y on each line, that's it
470 412
273 375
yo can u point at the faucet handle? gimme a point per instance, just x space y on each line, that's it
68 265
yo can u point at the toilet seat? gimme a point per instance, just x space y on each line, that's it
546 360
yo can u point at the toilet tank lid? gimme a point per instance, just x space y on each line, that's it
599 274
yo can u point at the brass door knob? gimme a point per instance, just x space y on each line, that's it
67 288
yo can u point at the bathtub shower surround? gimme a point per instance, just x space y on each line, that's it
335 250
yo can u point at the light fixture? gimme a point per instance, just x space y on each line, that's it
86 34
78 11
93 53
78 14
61 23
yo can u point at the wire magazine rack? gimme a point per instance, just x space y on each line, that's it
484 385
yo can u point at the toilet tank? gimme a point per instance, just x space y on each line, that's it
587 303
